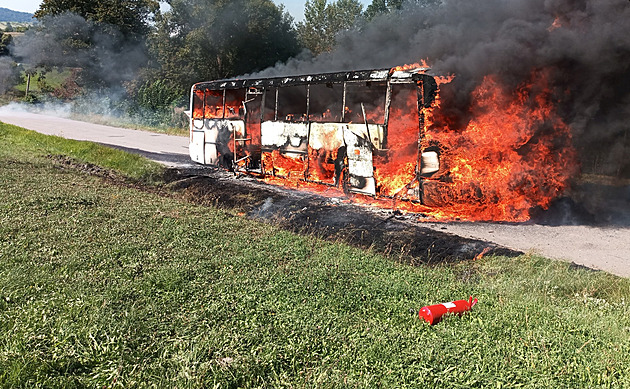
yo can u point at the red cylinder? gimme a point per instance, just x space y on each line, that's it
432 314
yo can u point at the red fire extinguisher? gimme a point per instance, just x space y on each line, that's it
432 314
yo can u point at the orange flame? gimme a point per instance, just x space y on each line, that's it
482 253
514 154
555 25
412 66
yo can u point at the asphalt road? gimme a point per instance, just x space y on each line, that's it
604 248
166 149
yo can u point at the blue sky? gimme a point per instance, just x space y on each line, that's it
295 7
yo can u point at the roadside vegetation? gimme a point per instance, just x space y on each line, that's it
108 286
56 91
24 144
43 81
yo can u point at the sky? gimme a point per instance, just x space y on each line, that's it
295 7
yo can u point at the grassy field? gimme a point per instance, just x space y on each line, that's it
51 80
107 286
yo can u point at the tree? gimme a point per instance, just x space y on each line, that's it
5 41
132 18
199 40
105 39
323 22
379 7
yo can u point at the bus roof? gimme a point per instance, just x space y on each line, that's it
401 76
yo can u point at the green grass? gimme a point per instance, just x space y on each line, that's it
23 144
52 80
103 286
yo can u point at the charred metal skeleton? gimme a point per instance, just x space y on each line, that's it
333 129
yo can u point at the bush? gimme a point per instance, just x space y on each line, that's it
157 95
31 98
157 104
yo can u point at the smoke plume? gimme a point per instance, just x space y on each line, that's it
7 73
106 58
583 46
103 64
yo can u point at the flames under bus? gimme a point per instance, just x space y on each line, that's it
360 131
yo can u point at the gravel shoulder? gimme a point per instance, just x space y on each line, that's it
605 246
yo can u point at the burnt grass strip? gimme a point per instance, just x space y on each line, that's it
401 236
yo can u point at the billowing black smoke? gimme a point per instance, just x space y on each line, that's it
583 45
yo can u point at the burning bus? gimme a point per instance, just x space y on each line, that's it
374 133
335 129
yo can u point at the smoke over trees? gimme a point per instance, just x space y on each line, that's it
131 19
7 68
135 54
106 58
5 41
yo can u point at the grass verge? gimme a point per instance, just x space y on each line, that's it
102 286
26 144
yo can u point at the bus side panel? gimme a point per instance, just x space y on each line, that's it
360 166
375 133
196 142
284 148
219 140
284 136
324 159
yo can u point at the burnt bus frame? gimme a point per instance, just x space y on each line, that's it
426 88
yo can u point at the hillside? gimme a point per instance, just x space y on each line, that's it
7 15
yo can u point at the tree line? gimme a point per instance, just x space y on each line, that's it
154 54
